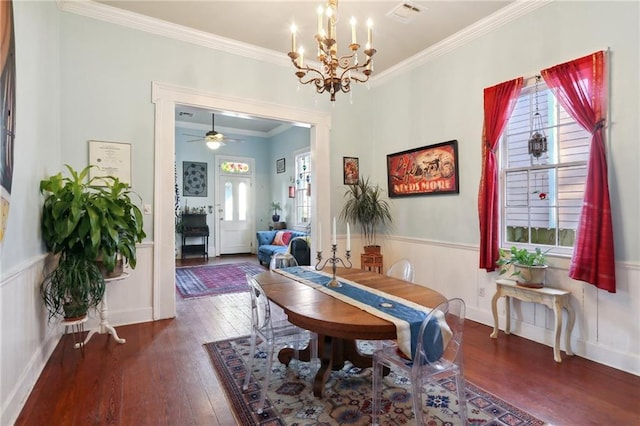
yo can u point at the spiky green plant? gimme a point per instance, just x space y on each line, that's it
366 208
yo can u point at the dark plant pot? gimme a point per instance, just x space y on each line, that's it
74 310
275 218
372 249
117 270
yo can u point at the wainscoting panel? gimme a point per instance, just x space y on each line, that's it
607 324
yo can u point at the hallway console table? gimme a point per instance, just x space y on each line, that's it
553 298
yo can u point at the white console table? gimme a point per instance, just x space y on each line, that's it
551 297
104 326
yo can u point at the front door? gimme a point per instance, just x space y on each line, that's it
234 204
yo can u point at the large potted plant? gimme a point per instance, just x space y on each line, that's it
529 268
82 221
366 208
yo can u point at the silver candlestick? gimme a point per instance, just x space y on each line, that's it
334 262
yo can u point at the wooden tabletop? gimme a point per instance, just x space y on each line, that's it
324 314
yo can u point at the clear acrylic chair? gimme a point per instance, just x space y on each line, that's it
426 365
266 331
282 260
401 269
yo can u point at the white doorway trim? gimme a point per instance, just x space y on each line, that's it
165 97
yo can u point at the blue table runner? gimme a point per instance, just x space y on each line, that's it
406 315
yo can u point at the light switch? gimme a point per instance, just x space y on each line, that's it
147 209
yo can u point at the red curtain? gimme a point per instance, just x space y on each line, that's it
579 86
499 102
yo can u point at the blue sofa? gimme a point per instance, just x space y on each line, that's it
266 248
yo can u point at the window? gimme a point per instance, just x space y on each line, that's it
303 188
542 197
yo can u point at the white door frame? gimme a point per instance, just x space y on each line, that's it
218 198
165 97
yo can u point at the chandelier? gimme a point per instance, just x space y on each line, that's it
335 72
537 140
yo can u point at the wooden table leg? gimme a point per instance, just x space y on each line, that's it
333 352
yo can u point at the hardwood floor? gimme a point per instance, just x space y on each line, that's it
162 375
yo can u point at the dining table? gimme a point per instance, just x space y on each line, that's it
339 324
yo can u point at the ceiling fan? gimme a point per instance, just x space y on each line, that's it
213 139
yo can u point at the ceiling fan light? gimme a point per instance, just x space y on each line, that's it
213 144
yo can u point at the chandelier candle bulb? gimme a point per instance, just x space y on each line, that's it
353 30
293 37
319 236
370 33
320 13
301 57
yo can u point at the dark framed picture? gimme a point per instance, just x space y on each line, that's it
194 179
428 170
350 170
280 165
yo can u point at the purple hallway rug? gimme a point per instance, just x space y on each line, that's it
347 399
212 280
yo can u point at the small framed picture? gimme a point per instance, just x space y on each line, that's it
280 165
350 170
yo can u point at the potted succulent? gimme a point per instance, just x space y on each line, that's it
275 206
529 267
366 208
83 221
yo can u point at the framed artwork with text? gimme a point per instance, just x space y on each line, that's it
428 170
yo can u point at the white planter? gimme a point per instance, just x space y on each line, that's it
530 276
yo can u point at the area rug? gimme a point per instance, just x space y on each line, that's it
211 280
347 399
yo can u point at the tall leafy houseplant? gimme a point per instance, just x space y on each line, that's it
83 220
366 208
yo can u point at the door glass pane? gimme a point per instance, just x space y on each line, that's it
242 201
228 201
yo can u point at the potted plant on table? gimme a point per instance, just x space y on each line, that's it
84 221
275 206
529 267
366 207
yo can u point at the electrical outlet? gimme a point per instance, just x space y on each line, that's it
481 292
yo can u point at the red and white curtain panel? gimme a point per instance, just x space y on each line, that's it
580 87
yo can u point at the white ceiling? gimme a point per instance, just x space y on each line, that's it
266 24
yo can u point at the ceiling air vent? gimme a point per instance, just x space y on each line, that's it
404 12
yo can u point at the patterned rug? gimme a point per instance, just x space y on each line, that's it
211 280
347 400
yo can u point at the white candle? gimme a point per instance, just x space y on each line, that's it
333 241
301 57
320 12
353 30
348 238
370 32
293 37
319 237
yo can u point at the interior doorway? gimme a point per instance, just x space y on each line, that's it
165 97
234 206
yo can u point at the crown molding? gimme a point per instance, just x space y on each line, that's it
490 23
136 21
